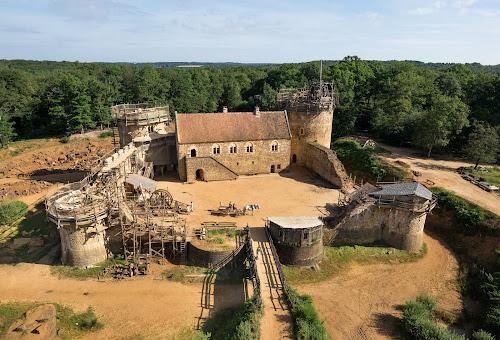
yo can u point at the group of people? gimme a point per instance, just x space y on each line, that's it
231 206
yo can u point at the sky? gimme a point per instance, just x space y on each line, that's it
257 31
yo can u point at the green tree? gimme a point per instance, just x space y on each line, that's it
447 115
483 143
268 101
6 130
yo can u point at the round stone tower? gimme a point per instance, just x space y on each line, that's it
310 116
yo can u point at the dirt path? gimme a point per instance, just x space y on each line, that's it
365 303
277 320
130 309
442 172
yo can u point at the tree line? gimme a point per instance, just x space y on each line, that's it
400 102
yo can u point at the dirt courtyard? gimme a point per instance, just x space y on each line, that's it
297 193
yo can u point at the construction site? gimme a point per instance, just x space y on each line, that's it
160 197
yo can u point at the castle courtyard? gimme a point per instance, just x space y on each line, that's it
294 193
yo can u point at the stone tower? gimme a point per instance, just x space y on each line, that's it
138 122
310 116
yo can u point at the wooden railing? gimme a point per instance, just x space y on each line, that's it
281 275
253 265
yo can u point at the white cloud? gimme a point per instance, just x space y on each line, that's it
433 8
372 18
464 3
487 13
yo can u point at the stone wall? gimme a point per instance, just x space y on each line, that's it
207 169
367 223
300 256
82 246
260 161
204 257
324 162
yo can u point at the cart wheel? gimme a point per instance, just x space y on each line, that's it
161 197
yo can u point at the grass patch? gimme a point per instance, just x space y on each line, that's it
419 320
217 240
75 325
308 325
189 274
189 333
492 175
365 164
12 211
469 217
84 273
224 231
236 323
194 274
337 259
106 134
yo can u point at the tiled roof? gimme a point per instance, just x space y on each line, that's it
403 189
232 126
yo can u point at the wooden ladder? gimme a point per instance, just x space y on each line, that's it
183 250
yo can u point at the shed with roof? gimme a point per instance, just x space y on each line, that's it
298 239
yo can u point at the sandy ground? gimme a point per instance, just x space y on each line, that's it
298 193
141 307
442 172
366 301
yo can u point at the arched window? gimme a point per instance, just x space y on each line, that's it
249 147
274 146
193 152
233 148
216 149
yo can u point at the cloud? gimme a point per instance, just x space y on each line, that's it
94 9
372 18
464 3
433 8
487 13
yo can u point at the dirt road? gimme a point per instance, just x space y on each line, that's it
442 172
365 303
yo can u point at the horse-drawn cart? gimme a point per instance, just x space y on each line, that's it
226 211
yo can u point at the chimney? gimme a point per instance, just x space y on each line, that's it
224 109
256 111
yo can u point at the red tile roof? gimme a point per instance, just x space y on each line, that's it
231 127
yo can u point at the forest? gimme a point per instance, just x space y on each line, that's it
429 106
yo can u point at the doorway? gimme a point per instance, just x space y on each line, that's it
200 175
193 152
294 158
272 169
